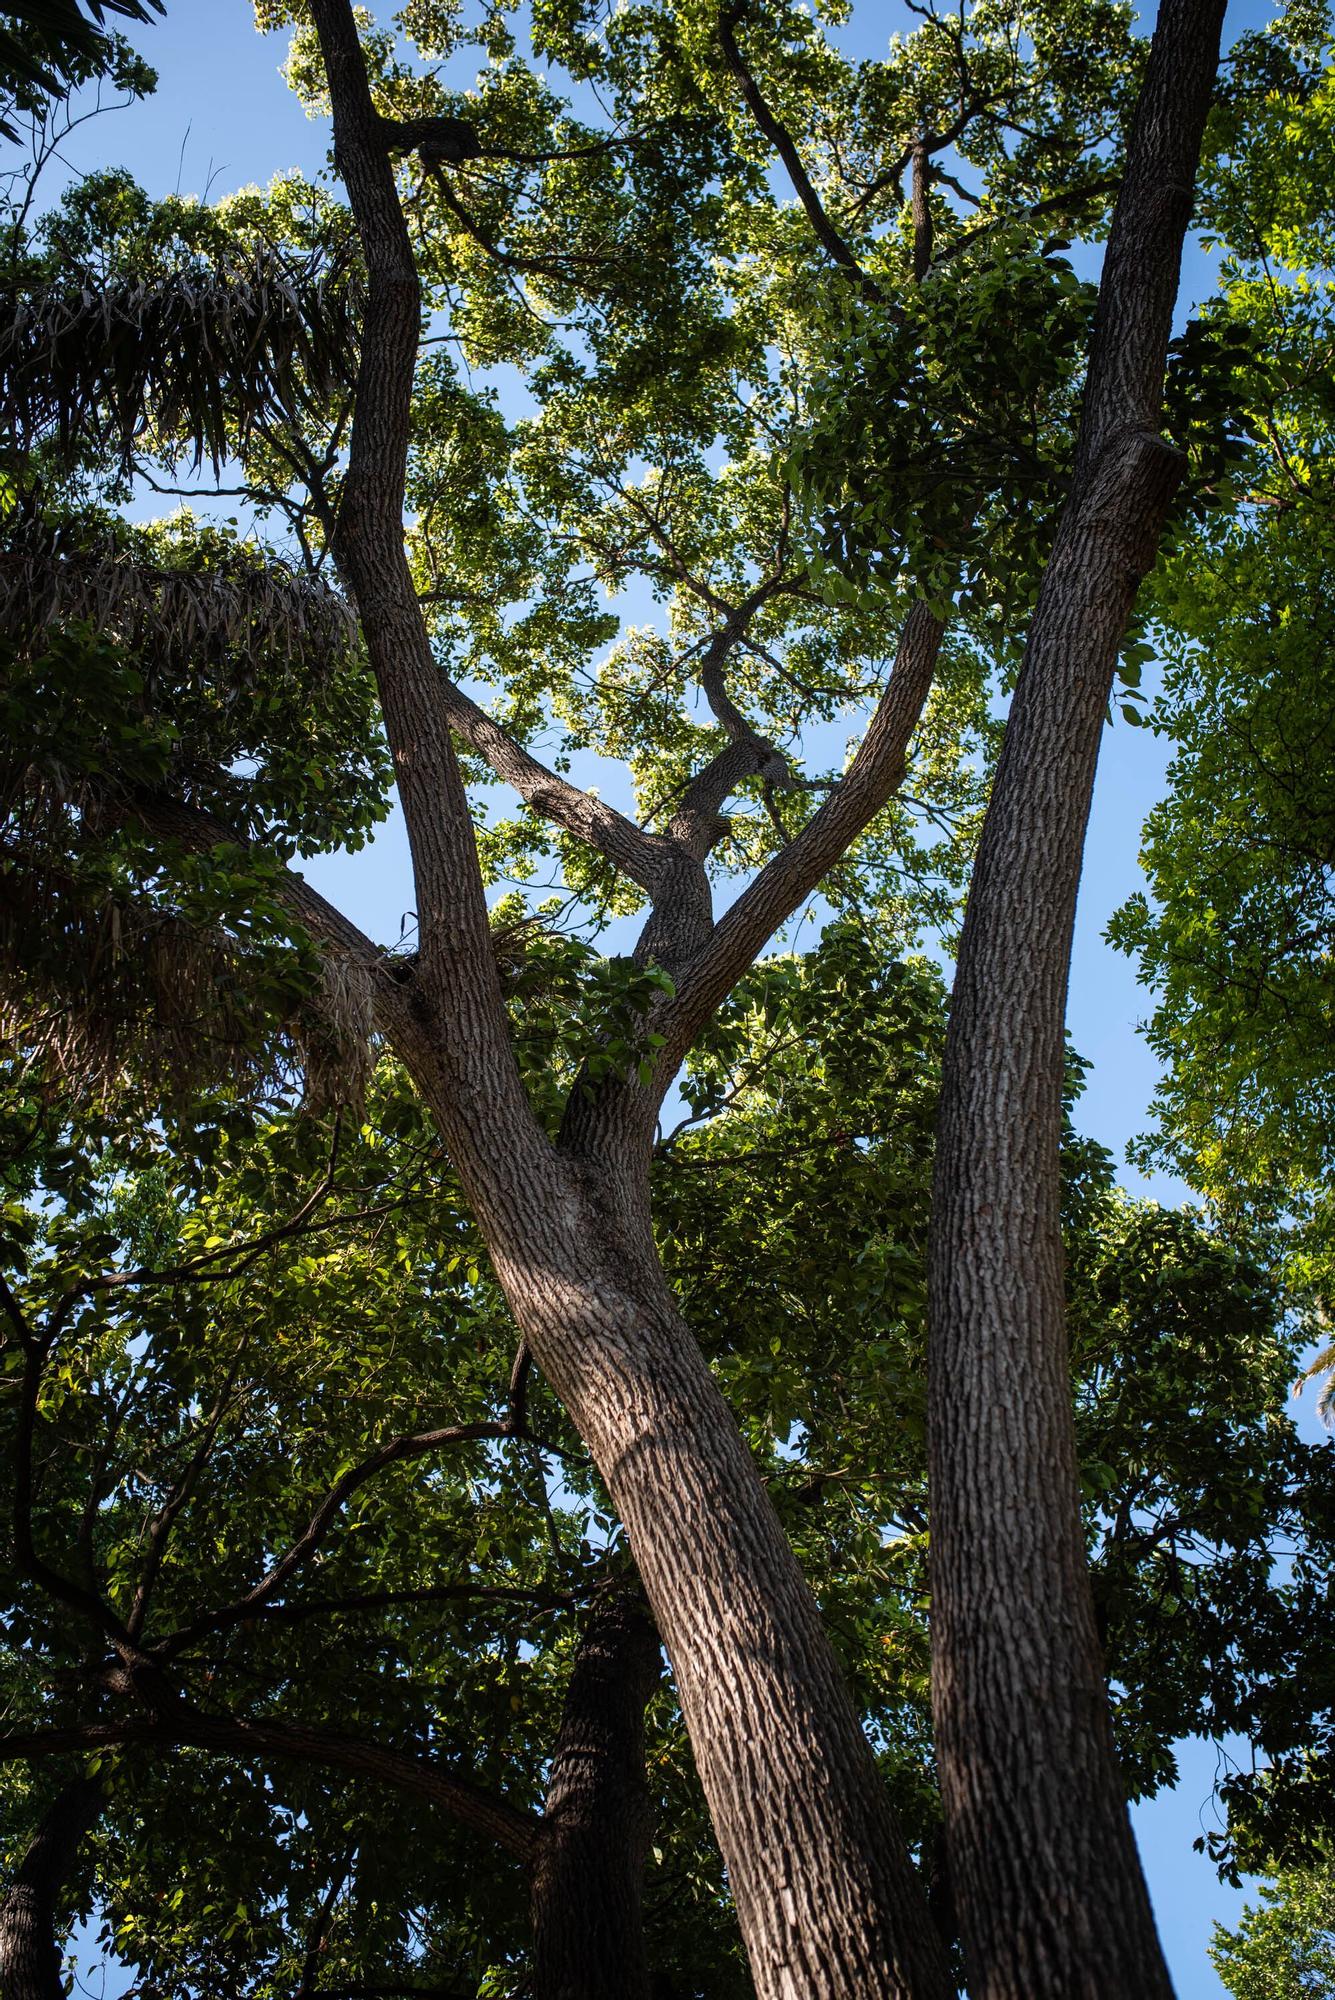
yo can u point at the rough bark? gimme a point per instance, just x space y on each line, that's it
871 780
828 1901
587 1892
827 1896
31 1961
1046 1877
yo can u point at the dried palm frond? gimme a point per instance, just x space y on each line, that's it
241 606
94 987
192 357
100 989
334 1035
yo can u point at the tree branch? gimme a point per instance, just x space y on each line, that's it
203 1267
877 769
781 140
450 141
16 1316
1054 204
469 1093
635 853
406 1445
26 1558
696 824
164 1520
320 1929
520 1372
515 1830
920 207
358 1602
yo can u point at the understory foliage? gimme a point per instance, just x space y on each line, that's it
688 442
251 1309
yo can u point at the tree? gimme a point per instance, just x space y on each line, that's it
1236 941
1285 1950
176 843
1026 1746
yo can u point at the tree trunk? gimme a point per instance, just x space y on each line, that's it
1047 1881
828 1899
829 1903
588 1930
30 1959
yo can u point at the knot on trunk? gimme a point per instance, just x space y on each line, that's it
1128 491
439 141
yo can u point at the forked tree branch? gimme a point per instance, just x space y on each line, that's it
456 980
876 771
408 1445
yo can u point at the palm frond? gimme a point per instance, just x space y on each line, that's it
190 358
244 605
1322 1363
47 46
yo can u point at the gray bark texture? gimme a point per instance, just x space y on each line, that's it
588 1879
31 1961
1051 1898
829 1902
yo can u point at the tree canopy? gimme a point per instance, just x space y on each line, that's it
612 1440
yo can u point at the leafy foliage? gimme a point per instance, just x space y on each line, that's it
48 46
324 1306
1236 935
648 388
1285 1948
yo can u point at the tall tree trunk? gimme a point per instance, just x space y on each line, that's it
30 1958
828 1899
588 1928
829 1903
1047 1881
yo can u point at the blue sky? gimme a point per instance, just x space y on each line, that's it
223 118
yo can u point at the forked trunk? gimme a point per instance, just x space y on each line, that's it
30 1958
587 1896
829 1903
1048 1886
